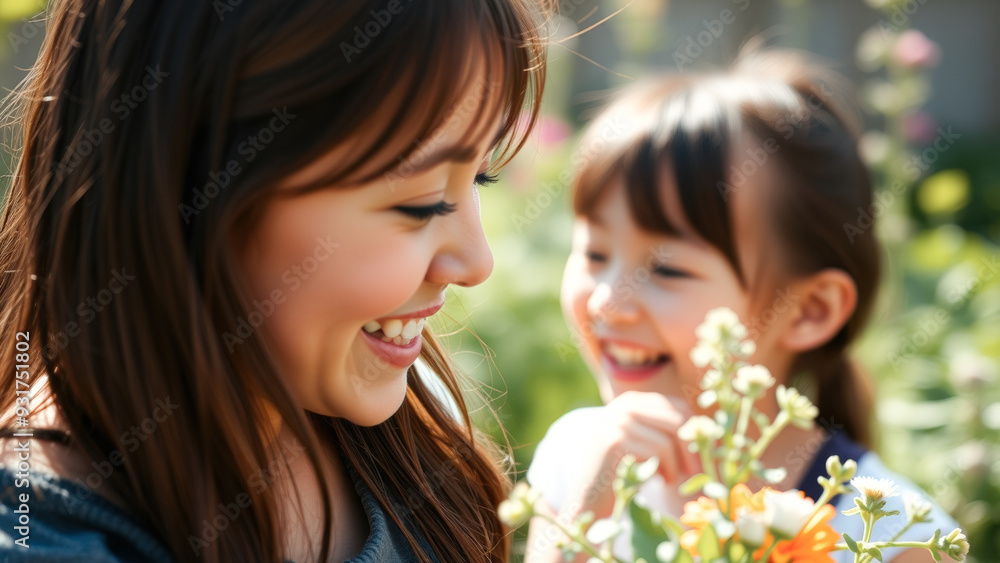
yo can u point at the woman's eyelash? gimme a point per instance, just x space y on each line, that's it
428 211
483 179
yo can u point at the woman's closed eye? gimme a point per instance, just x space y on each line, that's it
483 179
441 208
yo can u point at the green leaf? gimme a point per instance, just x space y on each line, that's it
875 552
684 557
647 533
851 544
672 525
708 544
694 484
603 530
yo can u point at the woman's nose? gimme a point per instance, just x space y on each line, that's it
464 258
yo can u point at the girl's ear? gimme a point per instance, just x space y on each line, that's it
827 299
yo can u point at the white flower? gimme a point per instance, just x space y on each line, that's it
787 512
720 323
955 545
917 508
712 379
519 507
703 355
799 409
873 490
751 526
752 381
700 428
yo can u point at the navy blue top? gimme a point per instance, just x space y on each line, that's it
67 522
836 443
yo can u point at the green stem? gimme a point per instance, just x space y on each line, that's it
769 434
745 407
821 502
579 540
898 534
616 516
928 545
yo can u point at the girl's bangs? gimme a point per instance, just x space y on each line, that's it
687 136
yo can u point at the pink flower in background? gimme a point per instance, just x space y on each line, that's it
919 128
914 50
549 130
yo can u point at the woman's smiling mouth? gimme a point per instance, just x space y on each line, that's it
398 339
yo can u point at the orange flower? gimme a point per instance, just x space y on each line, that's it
811 545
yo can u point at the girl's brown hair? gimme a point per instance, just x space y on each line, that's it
129 124
700 127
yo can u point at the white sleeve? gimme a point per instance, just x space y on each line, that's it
871 465
550 469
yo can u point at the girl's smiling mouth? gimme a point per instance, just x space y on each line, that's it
628 361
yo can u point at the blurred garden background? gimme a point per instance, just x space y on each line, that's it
927 74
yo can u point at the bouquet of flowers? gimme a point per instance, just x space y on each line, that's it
729 522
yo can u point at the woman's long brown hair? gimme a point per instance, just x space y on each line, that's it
793 113
120 232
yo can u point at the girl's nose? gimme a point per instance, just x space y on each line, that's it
612 304
464 258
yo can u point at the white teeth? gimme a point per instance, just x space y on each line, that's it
410 330
630 357
395 331
393 328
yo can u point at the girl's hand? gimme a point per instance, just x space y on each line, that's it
643 424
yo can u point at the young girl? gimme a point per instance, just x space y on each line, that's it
227 228
702 191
